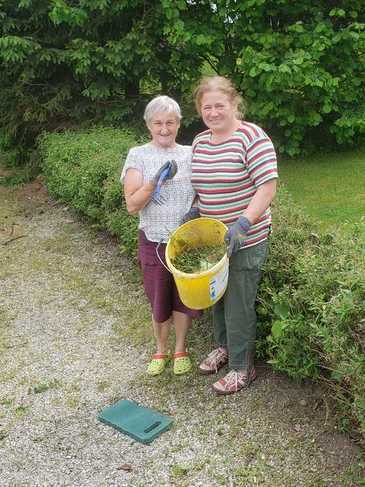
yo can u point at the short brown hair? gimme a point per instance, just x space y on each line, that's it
222 84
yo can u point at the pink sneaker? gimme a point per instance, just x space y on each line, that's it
234 381
215 361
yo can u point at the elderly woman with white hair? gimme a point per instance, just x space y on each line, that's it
157 186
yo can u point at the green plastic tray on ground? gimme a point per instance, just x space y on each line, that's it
140 423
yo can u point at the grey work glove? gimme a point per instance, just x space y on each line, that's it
191 214
236 235
166 171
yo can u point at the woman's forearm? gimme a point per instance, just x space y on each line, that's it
140 198
260 201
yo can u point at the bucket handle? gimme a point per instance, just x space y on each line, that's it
159 258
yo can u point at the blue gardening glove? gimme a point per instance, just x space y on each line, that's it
191 214
167 171
236 235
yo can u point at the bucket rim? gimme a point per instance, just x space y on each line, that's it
200 218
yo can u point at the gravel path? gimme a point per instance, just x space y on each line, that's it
75 337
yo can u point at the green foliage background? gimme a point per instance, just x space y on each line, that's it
299 65
312 298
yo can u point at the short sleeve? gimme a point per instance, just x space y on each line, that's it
261 160
194 144
132 162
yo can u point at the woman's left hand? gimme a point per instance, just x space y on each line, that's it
236 235
170 169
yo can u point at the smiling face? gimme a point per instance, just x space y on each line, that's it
163 128
218 111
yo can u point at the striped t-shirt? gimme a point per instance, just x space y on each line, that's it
226 176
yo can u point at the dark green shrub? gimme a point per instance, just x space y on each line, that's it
63 64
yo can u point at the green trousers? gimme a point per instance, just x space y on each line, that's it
234 316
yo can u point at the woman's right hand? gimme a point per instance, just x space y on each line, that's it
191 214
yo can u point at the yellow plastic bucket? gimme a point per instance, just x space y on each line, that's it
203 289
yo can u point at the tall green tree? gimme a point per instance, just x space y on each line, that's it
299 65
65 63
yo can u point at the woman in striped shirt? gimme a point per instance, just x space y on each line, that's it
234 173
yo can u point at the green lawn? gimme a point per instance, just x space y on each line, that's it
330 187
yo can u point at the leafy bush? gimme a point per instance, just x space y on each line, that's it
312 307
312 297
83 169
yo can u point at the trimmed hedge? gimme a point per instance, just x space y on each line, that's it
312 296
312 306
83 169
